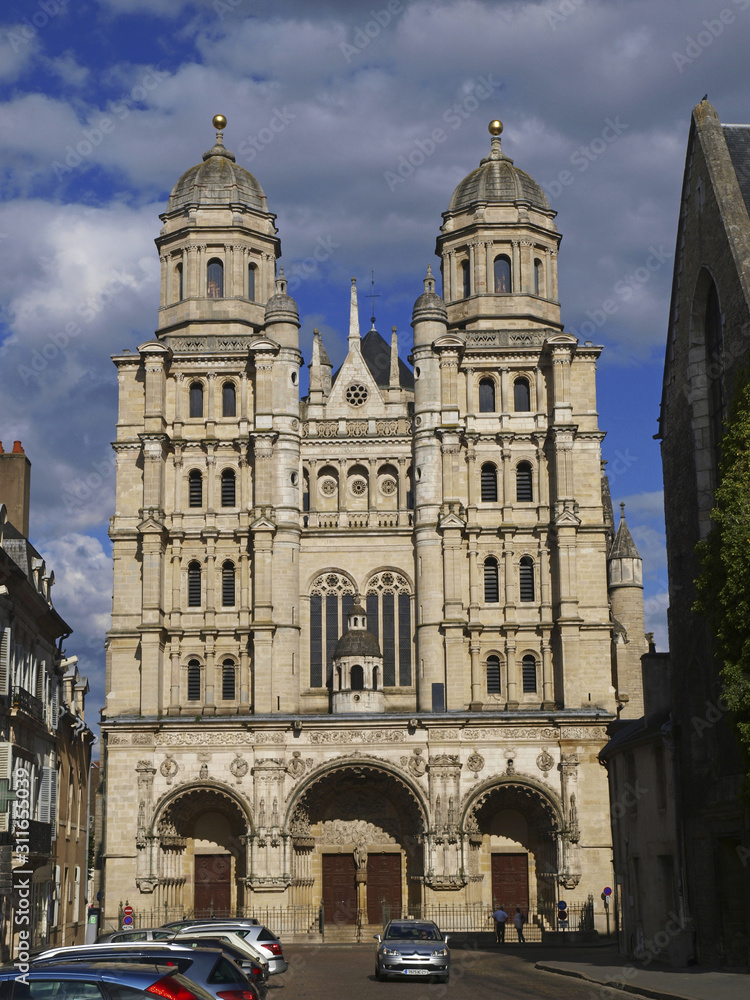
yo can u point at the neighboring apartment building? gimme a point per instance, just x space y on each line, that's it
362 643
43 738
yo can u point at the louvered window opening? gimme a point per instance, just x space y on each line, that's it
493 675
195 489
486 396
228 400
194 585
521 395
526 579
228 676
528 670
491 588
489 482
228 585
524 488
196 399
228 488
194 681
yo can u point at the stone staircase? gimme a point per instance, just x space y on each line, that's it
351 933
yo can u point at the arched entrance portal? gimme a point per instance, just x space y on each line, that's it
201 864
357 833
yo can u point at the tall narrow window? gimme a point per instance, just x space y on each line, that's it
466 279
487 396
251 282
196 399
227 584
180 285
357 678
489 482
228 676
215 279
524 488
521 395
526 578
195 489
194 681
491 587
538 278
502 275
194 585
493 675
228 488
528 673
228 400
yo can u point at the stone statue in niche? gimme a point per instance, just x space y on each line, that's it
262 813
360 855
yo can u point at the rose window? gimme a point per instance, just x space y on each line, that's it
388 487
328 487
356 394
358 487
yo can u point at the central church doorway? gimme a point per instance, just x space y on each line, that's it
510 881
339 889
383 887
213 885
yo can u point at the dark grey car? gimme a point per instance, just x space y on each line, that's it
410 948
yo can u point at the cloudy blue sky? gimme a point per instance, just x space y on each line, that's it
332 105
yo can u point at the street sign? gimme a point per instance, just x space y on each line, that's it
608 891
562 905
127 921
128 911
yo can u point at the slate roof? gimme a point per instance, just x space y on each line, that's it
738 143
376 354
623 546
218 180
357 642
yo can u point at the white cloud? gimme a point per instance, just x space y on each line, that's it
18 47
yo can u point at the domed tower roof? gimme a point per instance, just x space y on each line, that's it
357 641
218 180
497 180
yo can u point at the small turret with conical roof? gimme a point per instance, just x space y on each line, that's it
625 574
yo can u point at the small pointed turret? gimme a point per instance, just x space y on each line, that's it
354 339
393 381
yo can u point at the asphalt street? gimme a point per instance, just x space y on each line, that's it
340 972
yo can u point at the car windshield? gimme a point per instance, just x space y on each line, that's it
412 932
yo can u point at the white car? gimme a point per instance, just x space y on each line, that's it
253 935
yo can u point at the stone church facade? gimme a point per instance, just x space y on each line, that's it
365 644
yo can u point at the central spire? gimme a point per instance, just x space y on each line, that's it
354 339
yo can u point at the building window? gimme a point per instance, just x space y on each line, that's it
538 278
194 585
524 487
493 675
521 395
466 279
215 279
491 585
502 275
228 584
228 680
180 285
196 399
389 618
489 482
195 489
526 578
228 488
357 678
228 400
251 282
528 673
487 396
194 681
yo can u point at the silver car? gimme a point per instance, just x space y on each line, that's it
258 937
412 948
138 934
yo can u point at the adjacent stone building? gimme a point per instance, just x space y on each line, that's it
364 646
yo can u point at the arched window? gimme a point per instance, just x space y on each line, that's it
194 585
196 399
489 482
528 673
375 678
538 277
389 618
524 487
493 675
491 586
251 282
180 286
228 400
215 279
195 489
487 396
465 279
228 488
227 584
228 677
502 275
194 681
526 578
358 678
331 599
521 395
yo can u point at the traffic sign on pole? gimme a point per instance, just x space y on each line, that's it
128 911
608 891
562 905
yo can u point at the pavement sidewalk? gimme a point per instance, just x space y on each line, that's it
604 966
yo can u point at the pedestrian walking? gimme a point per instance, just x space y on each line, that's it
500 916
518 921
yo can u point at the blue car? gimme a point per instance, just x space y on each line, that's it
91 982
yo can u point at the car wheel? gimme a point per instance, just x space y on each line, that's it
379 975
444 979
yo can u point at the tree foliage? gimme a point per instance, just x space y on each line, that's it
724 584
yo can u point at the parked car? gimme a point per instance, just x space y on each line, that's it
80 981
194 921
221 936
255 935
412 948
138 934
208 967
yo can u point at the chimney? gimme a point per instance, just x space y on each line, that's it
15 486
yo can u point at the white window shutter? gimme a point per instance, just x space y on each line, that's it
6 758
55 702
53 799
5 661
45 795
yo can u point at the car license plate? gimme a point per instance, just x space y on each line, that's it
417 972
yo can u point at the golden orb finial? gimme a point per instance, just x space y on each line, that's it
219 122
495 127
